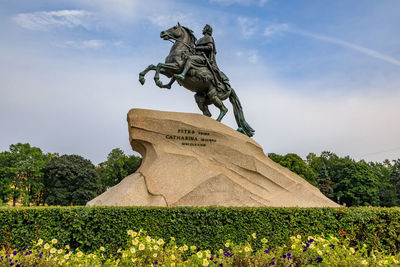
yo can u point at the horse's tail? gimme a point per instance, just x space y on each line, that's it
244 127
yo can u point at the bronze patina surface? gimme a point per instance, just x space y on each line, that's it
193 64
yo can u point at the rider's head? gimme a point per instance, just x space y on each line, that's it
207 29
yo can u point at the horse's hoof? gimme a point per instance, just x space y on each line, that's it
142 80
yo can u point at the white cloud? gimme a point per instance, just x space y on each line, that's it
86 44
241 2
250 55
169 20
274 29
358 48
248 26
47 20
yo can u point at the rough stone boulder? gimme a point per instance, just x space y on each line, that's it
193 160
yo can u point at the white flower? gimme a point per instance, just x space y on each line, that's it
54 241
254 235
53 250
205 262
133 250
141 247
199 254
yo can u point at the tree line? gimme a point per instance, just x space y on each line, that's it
30 177
346 181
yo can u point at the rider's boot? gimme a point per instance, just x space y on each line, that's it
181 76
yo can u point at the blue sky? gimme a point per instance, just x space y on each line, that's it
312 75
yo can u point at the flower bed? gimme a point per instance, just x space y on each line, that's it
144 250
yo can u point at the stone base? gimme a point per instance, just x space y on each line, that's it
193 160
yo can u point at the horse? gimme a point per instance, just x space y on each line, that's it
199 80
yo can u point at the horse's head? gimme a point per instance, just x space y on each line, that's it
174 33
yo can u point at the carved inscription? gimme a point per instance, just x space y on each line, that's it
190 137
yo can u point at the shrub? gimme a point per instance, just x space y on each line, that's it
87 228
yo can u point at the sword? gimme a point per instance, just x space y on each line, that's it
210 67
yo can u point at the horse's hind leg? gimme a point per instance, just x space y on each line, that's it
213 97
201 103
143 73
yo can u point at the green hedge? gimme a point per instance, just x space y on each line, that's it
91 227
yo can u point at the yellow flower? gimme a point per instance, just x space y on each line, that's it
227 244
221 251
102 249
172 264
247 249
141 247
264 240
364 262
205 262
352 250
134 234
193 247
66 256
185 247
298 236
312 245
124 255
54 241
148 238
67 247
319 252
292 238
160 241
172 238
133 250
130 232
53 250
199 254
155 255
155 247
39 242
133 259
173 257
94 256
180 248
310 237
135 241
46 246
79 254
59 251
254 235
293 246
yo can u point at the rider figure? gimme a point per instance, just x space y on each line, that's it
205 47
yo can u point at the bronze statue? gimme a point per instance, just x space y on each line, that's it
193 65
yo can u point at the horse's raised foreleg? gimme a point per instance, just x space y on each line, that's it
168 85
143 73
213 97
163 67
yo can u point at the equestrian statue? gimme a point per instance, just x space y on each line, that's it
192 64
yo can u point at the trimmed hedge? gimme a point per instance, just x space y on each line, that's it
91 227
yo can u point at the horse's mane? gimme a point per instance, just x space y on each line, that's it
193 38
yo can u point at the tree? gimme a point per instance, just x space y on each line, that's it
296 164
387 190
70 180
348 181
115 168
21 173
